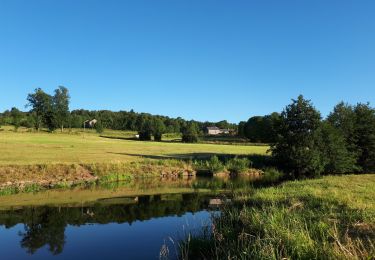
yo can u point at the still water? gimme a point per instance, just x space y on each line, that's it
117 221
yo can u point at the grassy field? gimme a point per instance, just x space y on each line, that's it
328 218
25 148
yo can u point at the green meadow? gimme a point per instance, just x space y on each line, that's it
27 148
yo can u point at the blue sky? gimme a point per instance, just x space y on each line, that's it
200 59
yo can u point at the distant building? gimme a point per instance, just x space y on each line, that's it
214 130
90 123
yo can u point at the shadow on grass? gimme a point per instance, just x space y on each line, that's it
119 138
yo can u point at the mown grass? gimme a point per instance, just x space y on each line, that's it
24 148
328 218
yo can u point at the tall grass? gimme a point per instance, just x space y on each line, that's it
238 165
317 219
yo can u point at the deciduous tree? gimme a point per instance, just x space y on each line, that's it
61 106
41 105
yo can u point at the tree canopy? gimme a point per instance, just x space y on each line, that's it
297 147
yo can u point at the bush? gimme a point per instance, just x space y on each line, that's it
238 165
214 165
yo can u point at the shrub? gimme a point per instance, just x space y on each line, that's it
214 165
238 165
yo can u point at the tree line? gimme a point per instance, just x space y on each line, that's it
306 145
52 112
302 142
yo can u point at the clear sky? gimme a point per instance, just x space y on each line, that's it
200 59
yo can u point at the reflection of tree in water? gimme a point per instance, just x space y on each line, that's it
46 225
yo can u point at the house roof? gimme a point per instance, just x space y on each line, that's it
213 128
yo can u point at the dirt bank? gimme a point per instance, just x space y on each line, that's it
20 177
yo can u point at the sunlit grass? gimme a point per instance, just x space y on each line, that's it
328 218
40 148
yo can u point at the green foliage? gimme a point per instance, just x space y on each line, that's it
343 118
41 104
238 165
50 120
297 149
214 165
190 133
328 218
365 136
61 106
115 177
357 125
272 174
241 129
260 129
99 127
158 128
337 158
146 130
17 116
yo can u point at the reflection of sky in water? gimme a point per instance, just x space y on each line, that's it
139 240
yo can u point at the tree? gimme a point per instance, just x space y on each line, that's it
337 158
357 124
16 117
223 124
262 128
241 129
297 147
41 104
145 131
343 118
365 136
61 106
50 119
158 129
254 129
190 133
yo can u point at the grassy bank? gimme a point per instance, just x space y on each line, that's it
31 178
328 218
31 161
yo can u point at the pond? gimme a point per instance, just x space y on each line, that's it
115 221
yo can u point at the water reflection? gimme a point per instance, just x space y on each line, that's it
46 225
42 220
